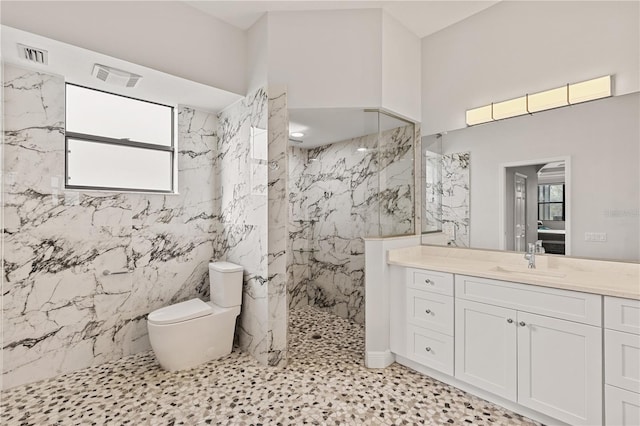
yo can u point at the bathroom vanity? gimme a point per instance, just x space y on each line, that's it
559 343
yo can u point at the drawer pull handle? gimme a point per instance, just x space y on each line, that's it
522 323
428 281
509 320
428 311
428 349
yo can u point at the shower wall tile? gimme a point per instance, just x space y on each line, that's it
250 203
60 313
278 218
241 206
455 196
334 190
300 230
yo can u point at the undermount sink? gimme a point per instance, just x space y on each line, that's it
527 271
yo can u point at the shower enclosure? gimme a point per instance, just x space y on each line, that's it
356 182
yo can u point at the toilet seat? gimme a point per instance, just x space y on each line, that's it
183 311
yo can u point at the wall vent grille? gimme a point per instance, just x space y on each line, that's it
33 54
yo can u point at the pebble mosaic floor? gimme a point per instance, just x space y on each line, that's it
325 383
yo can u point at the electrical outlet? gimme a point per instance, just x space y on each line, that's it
599 237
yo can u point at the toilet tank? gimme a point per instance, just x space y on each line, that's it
225 284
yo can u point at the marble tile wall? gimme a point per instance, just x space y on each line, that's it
59 312
250 203
342 195
455 197
278 223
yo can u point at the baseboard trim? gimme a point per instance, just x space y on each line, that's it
379 359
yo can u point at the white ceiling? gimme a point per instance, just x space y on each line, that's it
323 126
420 17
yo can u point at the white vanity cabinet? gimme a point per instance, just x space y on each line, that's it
622 361
553 343
508 343
429 319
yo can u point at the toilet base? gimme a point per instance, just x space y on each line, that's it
187 344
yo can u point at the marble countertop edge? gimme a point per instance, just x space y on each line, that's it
624 283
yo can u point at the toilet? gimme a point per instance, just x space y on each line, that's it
190 333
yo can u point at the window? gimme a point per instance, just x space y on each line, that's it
551 201
117 143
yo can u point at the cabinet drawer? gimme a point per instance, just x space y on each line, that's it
621 407
565 304
430 310
622 314
430 348
436 282
622 360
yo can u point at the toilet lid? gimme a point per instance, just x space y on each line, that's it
182 311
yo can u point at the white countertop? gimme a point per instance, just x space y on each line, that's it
608 278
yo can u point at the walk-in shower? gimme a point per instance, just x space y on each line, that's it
352 177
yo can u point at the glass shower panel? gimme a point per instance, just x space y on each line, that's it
396 176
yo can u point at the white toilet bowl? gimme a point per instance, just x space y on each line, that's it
190 333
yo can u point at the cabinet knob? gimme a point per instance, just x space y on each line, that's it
428 349
428 281
428 311
522 323
509 320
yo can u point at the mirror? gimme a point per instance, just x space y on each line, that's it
596 142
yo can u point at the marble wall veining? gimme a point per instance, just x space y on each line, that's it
455 197
339 194
60 313
250 202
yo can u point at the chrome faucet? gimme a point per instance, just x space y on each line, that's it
530 255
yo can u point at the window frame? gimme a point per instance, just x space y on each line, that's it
552 202
171 149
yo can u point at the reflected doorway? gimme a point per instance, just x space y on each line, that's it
534 207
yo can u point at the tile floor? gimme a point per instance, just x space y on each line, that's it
325 383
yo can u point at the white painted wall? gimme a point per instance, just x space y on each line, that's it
602 139
327 58
400 69
168 36
519 47
381 279
258 54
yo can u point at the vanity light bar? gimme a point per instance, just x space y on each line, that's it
570 94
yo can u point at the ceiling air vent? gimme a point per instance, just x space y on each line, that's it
115 76
33 54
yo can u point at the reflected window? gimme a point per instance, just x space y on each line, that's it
551 202
117 143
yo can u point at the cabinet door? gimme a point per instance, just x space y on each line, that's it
622 407
485 351
560 368
622 360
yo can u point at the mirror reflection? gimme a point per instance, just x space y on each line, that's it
564 179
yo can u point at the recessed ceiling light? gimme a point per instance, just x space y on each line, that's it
297 134
361 149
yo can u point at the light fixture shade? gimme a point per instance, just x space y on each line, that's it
589 90
479 115
510 108
548 99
